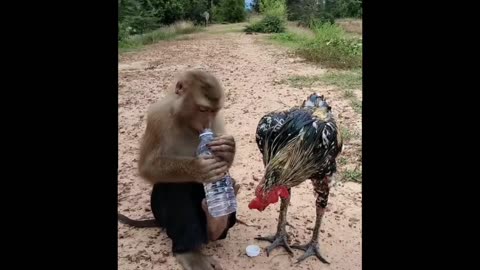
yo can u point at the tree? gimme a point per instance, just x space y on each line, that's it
231 11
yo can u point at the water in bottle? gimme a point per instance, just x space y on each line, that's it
220 195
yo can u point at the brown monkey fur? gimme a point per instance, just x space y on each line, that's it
167 151
173 125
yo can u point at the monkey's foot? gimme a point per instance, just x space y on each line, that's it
197 261
310 249
280 239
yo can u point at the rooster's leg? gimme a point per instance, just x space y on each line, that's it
312 249
281 237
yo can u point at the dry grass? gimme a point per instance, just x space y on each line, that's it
351 25
164 33
299 30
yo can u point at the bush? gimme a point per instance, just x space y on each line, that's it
231 11
314 22
172 11
302 10
309 13
217 15
140 16
142 24
326 17
274 20
332 49
123 31
276 8
345 8
269 24
195 11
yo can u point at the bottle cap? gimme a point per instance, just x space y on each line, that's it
252 250
206 132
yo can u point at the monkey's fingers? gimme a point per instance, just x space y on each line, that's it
217 174
225 156
222 148
228 140
216 165
212 162
206 157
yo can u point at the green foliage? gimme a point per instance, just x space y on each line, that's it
345 80
312 13
231 11
352 176
345 8
195 10
216 15
275 8
136 18
289 39
303 10
309 13
274 19
332 49
173 10
326 17
269 24
141 16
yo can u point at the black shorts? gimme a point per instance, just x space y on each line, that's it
177 207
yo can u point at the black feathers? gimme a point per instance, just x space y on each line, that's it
303 140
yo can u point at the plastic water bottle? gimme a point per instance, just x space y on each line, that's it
220 195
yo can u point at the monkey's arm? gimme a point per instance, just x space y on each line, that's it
167 169
154 164
162 169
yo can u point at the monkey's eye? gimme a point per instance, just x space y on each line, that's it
202 109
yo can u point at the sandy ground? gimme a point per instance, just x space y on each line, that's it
251 72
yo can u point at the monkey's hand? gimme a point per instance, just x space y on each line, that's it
209 169
223 147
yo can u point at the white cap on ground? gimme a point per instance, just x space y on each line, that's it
253 250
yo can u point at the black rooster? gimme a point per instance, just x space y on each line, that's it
298 144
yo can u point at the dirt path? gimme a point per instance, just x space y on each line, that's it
251 72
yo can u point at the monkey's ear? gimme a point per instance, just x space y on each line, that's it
179 89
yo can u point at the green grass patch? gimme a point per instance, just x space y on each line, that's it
345 80
289 39
352 176
330 47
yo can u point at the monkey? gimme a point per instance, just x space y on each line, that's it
167 161
206 15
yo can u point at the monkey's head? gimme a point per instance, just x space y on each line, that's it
201 96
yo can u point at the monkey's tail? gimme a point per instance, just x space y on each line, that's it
149 223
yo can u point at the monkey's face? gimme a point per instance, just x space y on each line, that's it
203 117
198 115
201 98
